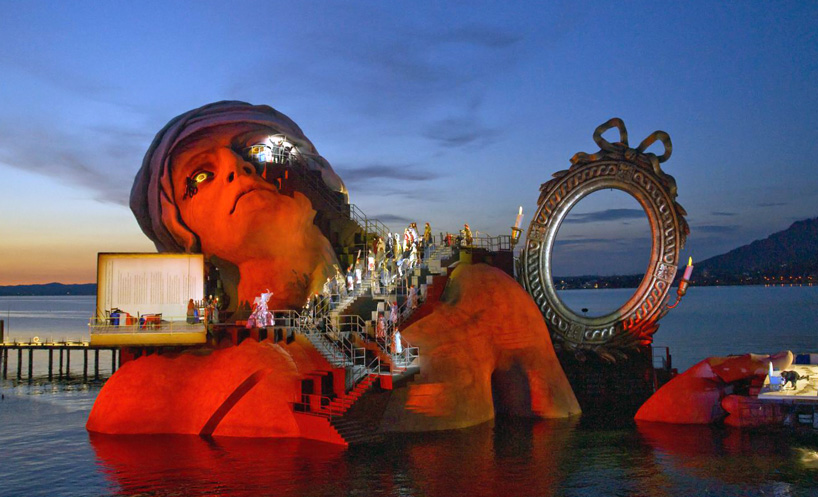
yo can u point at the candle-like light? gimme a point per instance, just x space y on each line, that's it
682 290
688 269
519 217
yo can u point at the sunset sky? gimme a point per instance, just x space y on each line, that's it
447 112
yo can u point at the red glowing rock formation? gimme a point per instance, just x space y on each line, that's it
702 394
237 391
483 343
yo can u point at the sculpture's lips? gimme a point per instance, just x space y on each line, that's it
245 192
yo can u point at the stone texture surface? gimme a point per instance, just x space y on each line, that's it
485 324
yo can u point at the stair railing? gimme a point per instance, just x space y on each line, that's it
318 405
352 324
408 357
374 366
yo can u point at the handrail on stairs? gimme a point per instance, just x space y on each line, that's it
335 330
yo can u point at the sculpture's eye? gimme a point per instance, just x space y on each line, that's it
201 176
193 181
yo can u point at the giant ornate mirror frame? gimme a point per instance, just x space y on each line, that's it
637 173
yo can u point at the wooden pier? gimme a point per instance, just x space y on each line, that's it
63 351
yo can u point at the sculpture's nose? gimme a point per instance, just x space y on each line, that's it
240 168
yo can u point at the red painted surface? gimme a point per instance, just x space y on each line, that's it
244 390
695 396
483 322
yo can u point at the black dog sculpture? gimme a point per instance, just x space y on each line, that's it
791 377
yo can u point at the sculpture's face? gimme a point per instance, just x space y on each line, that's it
236 213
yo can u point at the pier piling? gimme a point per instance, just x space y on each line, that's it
64 350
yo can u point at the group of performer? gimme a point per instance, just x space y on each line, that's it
208 309
387 333
388 259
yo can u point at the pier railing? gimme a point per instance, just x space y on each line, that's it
162 325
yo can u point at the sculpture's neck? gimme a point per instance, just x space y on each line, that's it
291 281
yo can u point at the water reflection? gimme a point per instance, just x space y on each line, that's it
190 465
515 457
512 457
731 456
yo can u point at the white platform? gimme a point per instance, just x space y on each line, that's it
805 389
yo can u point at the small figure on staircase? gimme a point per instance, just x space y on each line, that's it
380 250
326 291
350 280
412 299
340 283
389 247
370 263
375 282
385 276
397 347
380 329
393 314
358 271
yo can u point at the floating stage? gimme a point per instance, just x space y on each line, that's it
803 390
789 397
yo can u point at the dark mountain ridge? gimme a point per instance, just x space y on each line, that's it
791 254
48 289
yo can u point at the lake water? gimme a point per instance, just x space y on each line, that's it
45 450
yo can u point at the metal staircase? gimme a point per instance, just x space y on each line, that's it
334 334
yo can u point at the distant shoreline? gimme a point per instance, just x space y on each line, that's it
48 290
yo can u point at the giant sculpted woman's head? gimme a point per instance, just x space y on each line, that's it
198 191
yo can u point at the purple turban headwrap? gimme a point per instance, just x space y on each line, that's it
152 200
